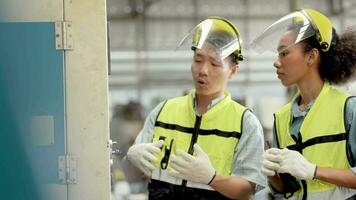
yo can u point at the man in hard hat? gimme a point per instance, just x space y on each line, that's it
203 145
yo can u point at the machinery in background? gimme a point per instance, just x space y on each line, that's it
126 122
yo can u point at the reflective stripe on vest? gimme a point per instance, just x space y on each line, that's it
322 136
217 132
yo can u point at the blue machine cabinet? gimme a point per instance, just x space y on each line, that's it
32 107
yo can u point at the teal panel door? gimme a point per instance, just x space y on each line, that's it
32 108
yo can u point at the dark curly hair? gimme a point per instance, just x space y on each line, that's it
338 64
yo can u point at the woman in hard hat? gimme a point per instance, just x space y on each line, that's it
315 133
203 145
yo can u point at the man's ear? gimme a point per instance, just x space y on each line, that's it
233 70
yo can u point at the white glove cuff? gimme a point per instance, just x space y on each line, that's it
212 178
316 168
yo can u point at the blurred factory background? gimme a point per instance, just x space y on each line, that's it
146 68
78 78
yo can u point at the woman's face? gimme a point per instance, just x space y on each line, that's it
292 61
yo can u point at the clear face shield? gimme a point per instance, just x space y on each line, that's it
285 32
213 36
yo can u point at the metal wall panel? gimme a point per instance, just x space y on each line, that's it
87 99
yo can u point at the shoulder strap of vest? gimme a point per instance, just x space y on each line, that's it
161 110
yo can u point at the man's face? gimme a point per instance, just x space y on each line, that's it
210 73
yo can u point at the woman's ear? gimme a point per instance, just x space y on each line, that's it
313 56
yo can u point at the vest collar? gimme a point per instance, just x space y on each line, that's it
324 91
212 104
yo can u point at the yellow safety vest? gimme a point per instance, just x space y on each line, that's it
322 136
217 131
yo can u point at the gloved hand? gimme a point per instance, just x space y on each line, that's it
192 168
271 161
294 163
142 156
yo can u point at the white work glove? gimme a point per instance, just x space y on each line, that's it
192 168
142 156
271 161
294 163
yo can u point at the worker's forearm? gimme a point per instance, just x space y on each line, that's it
233 187
340 177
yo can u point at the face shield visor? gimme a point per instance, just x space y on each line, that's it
292 28
214 36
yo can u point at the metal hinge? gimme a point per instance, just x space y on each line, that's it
67 169
64 37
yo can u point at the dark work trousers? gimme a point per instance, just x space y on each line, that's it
159 190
